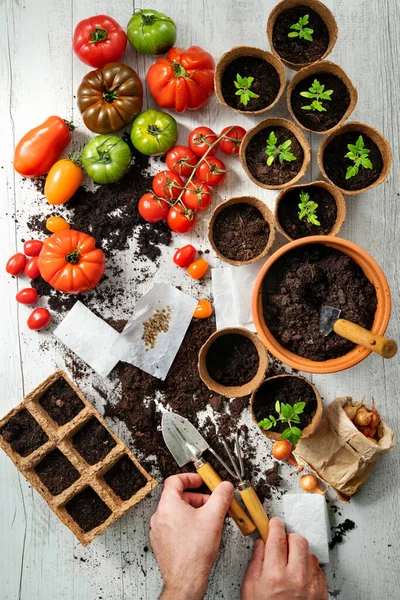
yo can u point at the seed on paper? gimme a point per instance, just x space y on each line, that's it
157 323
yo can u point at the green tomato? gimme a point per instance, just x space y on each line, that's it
151 32
106 158
154 132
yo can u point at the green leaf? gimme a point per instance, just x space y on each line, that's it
298 407
278 407
304 196
307 94
287 435
293 34
304 20
296 26
287 156
285 145
252 94
272 139
351 155
265 424
366 163
286 411
351 171
314 220
307 34
272 419
270 160
295 419
360 143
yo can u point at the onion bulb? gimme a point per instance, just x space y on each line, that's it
371 439
351 410
310 484
363 417
376 418
282 450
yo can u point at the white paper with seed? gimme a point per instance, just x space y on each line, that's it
131 348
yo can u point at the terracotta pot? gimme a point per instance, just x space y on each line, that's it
266 213
371 270
307 431
375 136
340 205
317 7
276 122
240 390
321 67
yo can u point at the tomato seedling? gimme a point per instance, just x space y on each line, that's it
300 30
286 414
316 92
358 154
308 209
243 85
282 151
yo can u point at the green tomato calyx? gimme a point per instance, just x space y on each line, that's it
73 257
98 35
154 130
179 71
111 93
149 19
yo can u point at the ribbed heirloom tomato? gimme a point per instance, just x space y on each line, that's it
212 171
99 40
197 195
201 139
152 209
181 160
167 184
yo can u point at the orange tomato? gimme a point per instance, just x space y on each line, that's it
54 224
203 310
63 179
197 269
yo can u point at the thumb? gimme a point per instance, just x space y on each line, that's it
220 501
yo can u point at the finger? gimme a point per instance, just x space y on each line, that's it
276 550
219 502
255 567
177 484
313 564
195 499
298 554
323 586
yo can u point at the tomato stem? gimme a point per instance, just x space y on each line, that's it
98 35
69 124
73 257
179 71
75 158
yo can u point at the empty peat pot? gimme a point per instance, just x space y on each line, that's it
241 230
286 389
295 51
301 277
233 362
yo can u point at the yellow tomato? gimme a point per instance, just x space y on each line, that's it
54 224
63 179
203 310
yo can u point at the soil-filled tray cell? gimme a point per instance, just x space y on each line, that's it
24 433
232 360
56 472
61 402
124 478
93 441
87 509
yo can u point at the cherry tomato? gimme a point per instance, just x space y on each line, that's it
33 247
181 220
63 179
203 310
201 139
39 319
197 195
231 143
31 269
152 209
197 269
16 264
212 171
54 224
27 296
167 184
181 160
184 256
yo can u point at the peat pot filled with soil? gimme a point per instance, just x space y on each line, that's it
233 362
249 80
300 278
301 32
355 157
241 230
275 154
316 208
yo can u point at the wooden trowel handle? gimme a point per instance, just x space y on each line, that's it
256 509
358 335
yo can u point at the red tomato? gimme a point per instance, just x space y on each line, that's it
27 296
167 184
201 139
231 143
16 264
197 269
203 310
181 220
33 247
31 269
181 160
39 318
211 171
99 40
197 195
152 209
184 256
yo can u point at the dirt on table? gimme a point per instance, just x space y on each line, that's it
24 433
232 360
56 472
87 509
61 402
124 478
288 213
93 441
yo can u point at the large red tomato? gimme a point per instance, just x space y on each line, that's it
99 40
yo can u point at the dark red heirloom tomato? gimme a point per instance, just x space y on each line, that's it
99 40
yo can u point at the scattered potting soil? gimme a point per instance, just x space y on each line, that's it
288 213
61 402
88 509
266 82
334 108
296 50
300 283
232 360
240 232
24 433
124 478
336 163
340 531
56 472
93 441
278 173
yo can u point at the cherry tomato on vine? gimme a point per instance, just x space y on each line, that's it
167 184
16 264
212 171
181 220
27 296
197 195
39 319
231 143
152 209
31 269
203 310
197 269
184 256
201 139
181 160
55 224
33 247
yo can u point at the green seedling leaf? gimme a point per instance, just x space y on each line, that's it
307 210
316 92
265 424
358 155
278 406
299 407
286 414
243 85
282 151
300 30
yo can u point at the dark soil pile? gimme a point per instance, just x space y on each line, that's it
288 213
300 283
56 472
88 509
24 433
340 531
124 478
93 442
61 402
266 82
240 232
296 50
232 360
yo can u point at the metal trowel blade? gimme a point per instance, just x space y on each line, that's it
327 318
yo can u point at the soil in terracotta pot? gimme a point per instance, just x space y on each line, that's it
266 82
240 232
334 108
88 509
296 50
24 433
93 441
124 478
336 164
278 173
56 472
286 390
299 284
232 360
288 213
61 402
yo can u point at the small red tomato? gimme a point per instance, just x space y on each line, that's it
184 256
181 160
231 143
33 247
181 220
27 296
39 319
197 195
15 265
212 171
201 139
197 269
203 310
31 268
167 184
152 209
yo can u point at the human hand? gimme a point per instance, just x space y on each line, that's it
283 568
185 534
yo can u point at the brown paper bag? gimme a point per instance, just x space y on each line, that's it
339 453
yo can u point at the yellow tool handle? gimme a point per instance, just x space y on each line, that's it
212 479
256 510
358 335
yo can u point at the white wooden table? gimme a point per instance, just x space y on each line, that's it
40 559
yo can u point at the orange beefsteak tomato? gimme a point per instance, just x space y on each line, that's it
70 262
